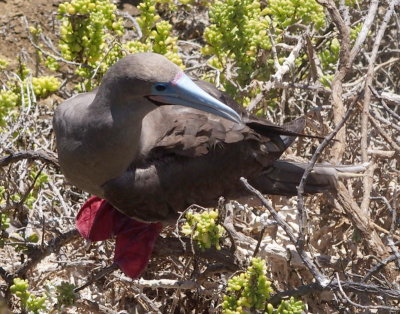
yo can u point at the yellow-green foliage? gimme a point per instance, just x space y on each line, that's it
22 71
353 3
4 219
29 302
289 12
188 4
355 30
148 17
291 306
250 291
8 100
164 43
186 1
3 64
135 46
238 32
157 34
239 36
204 228
52 64
44 85
91 35
329 56
18 91
87 28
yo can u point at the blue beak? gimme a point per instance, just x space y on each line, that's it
183 91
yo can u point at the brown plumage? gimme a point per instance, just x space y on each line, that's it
135 142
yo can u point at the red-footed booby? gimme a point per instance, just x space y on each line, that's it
149 142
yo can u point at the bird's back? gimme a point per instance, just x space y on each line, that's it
188 156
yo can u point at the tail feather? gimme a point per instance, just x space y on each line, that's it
283 178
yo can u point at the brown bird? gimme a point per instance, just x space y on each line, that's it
151 142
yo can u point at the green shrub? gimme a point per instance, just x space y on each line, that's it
250 291
203 227
29 302
238 34
288 12
44 85
157 34
8 100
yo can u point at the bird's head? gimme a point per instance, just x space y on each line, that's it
150 79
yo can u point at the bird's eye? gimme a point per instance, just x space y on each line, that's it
160 87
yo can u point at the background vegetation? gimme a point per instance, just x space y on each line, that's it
335 61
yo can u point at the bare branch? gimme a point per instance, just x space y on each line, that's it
14 157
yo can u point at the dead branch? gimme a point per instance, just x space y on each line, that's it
13 157
365 115
370 307
361 221
343 68
307 171
347 286
321 279
38 253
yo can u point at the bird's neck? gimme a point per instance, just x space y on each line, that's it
115 137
